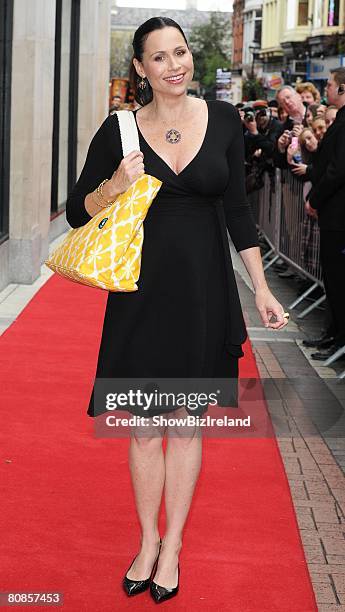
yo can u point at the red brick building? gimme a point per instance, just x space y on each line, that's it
237 33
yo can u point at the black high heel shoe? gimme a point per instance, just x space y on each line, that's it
161 593
134 587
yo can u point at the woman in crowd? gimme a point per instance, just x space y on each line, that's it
308 92
311 113
282 114
330 115
319 128
308 144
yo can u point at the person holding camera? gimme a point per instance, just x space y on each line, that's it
260 137
262 130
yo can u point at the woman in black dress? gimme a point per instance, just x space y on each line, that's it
185 320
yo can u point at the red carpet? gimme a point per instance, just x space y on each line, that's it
68 516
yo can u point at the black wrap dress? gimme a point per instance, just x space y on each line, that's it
185 320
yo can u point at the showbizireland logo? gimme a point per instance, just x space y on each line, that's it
103 222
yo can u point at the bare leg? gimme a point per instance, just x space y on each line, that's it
182 467
146 462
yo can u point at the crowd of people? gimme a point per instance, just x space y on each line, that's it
304 134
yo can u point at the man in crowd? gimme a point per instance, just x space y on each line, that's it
262 130
115 104
273 106
327 197
296 110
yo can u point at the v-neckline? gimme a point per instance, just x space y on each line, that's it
163 160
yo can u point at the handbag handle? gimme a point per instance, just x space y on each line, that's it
128 132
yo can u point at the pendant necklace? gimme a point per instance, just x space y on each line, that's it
173 136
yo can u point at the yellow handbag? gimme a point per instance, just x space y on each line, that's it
106 251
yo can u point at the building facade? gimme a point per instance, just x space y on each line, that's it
237 34
313 28
301 40
54 79
252 22
273 19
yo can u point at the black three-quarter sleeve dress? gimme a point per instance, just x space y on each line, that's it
185 320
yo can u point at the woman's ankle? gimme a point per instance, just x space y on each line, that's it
172 542
150 539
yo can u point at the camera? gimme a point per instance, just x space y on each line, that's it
249 115
263 112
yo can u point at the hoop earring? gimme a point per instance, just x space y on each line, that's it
142 83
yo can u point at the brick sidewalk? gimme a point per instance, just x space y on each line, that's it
307 413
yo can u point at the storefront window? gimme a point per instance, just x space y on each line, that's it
6 27
333 13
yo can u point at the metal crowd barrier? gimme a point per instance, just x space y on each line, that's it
291 235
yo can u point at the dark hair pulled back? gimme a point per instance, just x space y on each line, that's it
144 96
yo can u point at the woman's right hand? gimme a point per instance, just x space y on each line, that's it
129 170
284 141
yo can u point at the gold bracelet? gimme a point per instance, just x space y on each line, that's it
101 195
95 196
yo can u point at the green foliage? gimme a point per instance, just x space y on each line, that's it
252 89
211 47
120 53
211 64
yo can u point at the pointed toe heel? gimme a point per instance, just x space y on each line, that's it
160 593
134 587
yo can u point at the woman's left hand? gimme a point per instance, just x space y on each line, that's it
269 307
299 169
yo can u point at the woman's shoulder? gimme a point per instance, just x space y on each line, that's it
107 136
110 124
223 109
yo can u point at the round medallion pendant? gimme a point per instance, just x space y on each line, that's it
173 136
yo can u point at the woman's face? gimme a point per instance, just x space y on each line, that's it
309 117
307 96
167 62
309 141
319 128
330 115
282 114
321 110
